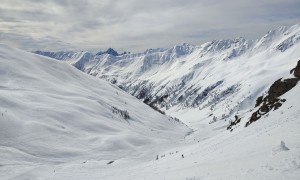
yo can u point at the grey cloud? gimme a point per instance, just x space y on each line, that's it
29 43
136 25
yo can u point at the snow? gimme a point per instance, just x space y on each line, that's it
60 123
252 153
189 75
53 114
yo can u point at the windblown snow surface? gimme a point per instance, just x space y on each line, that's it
53 116
204 86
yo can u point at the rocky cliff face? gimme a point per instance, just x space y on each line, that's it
272 100
296 70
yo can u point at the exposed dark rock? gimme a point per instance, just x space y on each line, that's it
113 81
233 123
124 53
272 100
161 99
121 87
112 52
142 94
297 70
279 87
254 117
156 108
180 98
147 101
259 100
108 51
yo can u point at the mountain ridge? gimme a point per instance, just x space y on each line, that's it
281 30
189 76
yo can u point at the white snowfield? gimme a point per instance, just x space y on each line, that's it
51 115
59 123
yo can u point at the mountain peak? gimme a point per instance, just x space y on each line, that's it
183 48
110 51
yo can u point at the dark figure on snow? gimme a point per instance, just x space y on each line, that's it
182 156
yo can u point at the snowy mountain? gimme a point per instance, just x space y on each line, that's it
109 51
238 100
53 114
222 78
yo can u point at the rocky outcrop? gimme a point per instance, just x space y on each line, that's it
272 100
233 123
296 70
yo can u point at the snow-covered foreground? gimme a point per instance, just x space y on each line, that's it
59 123
52 115
268 149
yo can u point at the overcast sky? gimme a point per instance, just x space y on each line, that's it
136 25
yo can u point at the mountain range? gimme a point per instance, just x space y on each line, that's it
226 109
221 77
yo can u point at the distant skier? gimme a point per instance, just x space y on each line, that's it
182 156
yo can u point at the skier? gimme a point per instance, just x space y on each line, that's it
182 156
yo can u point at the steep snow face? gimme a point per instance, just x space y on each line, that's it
52 113
222 77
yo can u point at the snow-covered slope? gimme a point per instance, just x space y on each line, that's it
220 78
51 113
208 87
265 150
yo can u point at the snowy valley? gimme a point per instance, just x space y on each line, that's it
227 109
53 114
221 78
